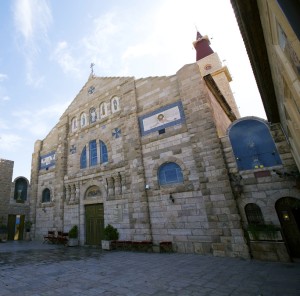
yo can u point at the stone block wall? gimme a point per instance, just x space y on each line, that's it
203 217
6 173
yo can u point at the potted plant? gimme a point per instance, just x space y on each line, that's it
3 232
73 236
110 234
27 225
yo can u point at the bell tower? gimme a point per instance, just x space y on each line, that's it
209 64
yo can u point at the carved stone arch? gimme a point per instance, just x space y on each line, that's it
84 188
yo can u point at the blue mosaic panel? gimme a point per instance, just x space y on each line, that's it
162 118
253 145
47 160
73 149
116 133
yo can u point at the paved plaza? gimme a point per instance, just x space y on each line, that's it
33 268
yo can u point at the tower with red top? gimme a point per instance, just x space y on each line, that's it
202 46
211 67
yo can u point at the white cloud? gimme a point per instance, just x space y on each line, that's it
3 125
63 55
9 142
3 77
5 98
32 19
41 122
98 44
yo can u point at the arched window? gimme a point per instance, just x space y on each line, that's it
252 145
103 152
93 152
83 119
83 158
46 197
254 214
115 104
74 124
93 115
170 173
103 110
20 190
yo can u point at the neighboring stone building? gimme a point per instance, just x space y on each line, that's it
152 157
14 200
271 32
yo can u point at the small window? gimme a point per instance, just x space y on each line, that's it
93 153
93 115
115 104
83 119
170 173
103 110
46 195
103 152
74 124
254 214
20 190
83 158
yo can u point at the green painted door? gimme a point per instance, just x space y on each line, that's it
94 224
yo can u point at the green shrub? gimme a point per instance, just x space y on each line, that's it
111 233
73 233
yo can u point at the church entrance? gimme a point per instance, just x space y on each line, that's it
94 224
15 227
288 211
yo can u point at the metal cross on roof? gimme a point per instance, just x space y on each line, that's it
92 68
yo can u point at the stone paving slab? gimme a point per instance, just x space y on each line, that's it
35 269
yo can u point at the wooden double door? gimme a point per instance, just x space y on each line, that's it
94 224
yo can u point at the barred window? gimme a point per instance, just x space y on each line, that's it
254 214
46 195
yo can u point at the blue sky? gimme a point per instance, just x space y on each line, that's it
47 48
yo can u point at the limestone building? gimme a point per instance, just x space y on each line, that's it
14 201
271 32
153 157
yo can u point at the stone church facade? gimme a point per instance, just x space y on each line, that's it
153 157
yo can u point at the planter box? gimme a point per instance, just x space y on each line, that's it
72 242
107 245
265 235
3 237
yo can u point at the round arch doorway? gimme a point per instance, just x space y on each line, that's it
94 216
288 211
